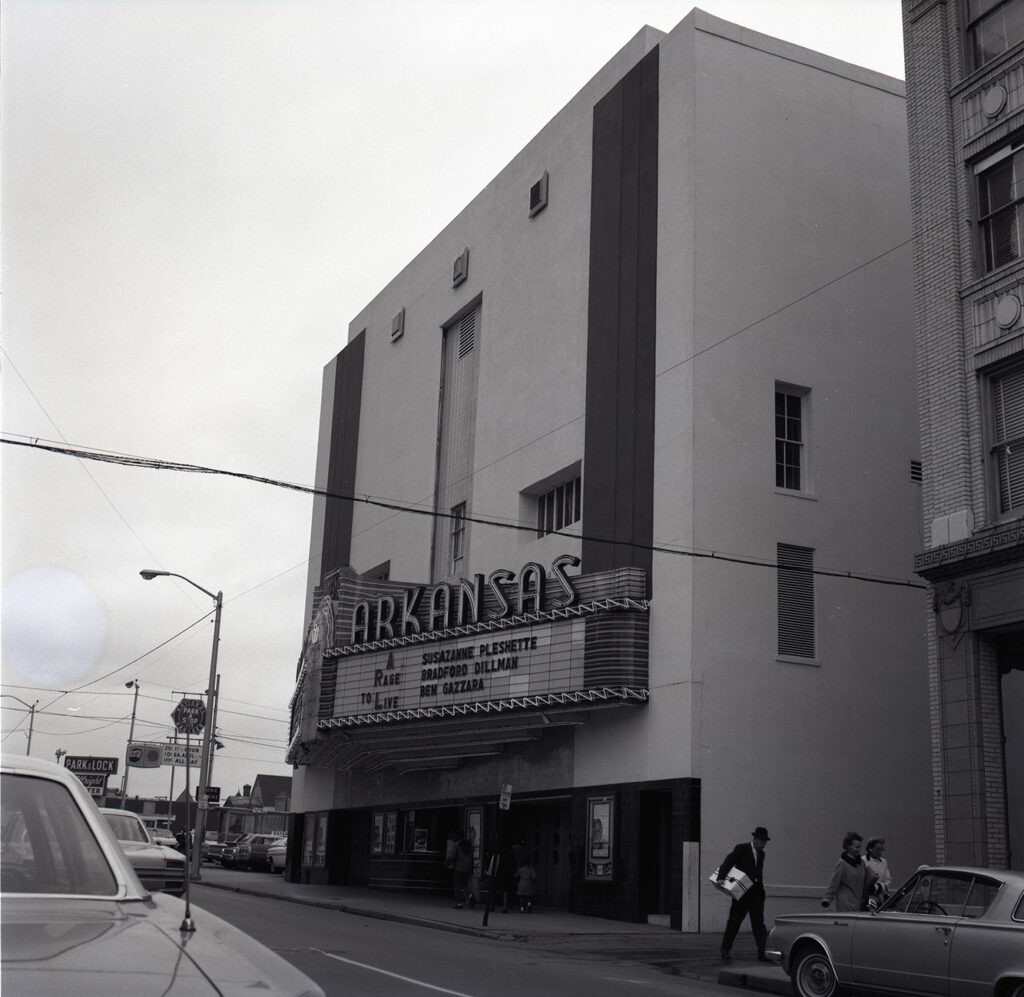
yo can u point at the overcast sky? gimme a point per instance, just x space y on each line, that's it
197 197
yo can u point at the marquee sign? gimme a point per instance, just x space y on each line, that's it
382 651
542 657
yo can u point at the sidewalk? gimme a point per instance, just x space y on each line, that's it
687 955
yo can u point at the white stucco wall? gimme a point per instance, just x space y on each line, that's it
769 165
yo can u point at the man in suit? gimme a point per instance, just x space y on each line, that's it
748 858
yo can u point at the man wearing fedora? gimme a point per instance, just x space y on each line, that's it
748 858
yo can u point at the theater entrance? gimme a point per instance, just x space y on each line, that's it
545 830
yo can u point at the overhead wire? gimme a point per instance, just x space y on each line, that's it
165 465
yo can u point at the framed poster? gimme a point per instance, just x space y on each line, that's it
390 830
308 834
600 838
420 840
320 855
377 841
474 831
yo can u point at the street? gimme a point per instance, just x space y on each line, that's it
350 954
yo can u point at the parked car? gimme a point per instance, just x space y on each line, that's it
277 855
159 867
251 851
213 850
75 918
227 855
947 930
159 829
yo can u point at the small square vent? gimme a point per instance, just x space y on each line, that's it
398 326
539 195
460 268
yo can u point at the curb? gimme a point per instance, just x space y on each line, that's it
380 915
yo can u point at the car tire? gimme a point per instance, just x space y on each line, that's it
813 975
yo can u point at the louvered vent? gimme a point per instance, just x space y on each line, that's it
467 334
916 474
796 600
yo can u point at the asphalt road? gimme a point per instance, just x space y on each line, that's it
368 957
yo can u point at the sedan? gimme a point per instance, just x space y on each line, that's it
277 855
947 930
251 852
76 919
159 867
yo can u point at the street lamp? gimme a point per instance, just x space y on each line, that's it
31 717
131 737
204 764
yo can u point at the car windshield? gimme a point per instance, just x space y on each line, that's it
47 845
126 827
946 894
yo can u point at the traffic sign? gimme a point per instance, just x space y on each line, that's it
189 716
213 794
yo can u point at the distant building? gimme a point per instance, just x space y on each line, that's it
272 792
639 430
965 102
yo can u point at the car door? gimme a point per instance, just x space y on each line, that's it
906 945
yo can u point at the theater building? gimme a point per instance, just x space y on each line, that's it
621 504
965 104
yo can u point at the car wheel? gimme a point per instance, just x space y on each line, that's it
1016 989
813 975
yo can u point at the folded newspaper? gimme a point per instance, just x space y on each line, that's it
735 884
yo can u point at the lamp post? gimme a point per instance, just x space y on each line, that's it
131 737
204 764
31 707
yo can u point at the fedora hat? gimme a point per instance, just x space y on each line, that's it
760 832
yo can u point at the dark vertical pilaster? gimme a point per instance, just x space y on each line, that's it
341 473
618 489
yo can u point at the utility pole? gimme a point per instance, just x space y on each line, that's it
31 717
131 737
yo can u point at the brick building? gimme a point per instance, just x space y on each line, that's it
621 507
965 105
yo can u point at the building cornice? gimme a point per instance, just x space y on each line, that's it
995 547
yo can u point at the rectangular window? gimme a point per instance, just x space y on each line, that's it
559 507
458 522
789 440
1007 448
1000 196
992 28
796 600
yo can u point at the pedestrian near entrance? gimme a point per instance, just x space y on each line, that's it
852 880
749 859
526 878
463 867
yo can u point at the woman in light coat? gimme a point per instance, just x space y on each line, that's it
852 879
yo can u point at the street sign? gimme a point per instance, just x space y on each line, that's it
145 754
505 800
213 794
90 763
189 716
175 754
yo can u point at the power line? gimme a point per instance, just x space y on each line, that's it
165 465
